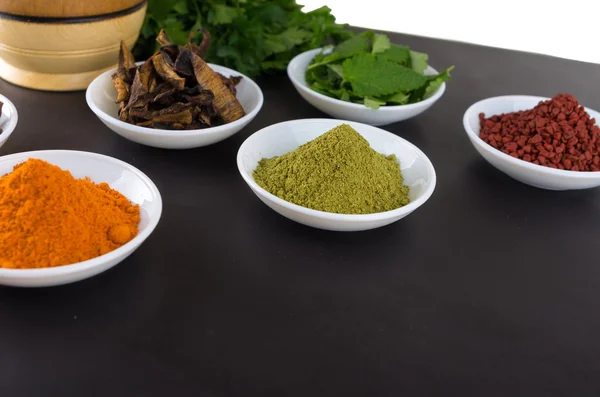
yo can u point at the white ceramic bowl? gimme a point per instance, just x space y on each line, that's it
281 138
523 171
128 180
101 95
8 119
354 111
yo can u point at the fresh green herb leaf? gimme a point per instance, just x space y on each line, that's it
224 14
373 103
251 36
418 61
337 70
397 53
399 98
436 81
371 71
355 45
380 43
372 76
181 7
228 52
176 32
333 57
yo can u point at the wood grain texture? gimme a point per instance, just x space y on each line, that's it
63 56
65 8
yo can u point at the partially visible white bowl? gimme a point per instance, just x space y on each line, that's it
354 111
100 96
281 138
521 170
8 119
125 178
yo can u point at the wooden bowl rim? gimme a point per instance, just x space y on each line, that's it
73 19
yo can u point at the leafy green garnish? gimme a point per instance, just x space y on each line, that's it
376 77
355 45
251 36
398 53
369 70
373 103
418 61
380 43
436 81
398 98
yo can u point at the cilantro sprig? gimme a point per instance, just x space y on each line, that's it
370 70
250 36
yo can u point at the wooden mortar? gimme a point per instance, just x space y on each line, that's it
62 45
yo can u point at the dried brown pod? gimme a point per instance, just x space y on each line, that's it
121 86
183 63
204 98
139 94
147 123
123 112
225 102
175 88
162 38
205 119
166 71
166 96
230 82
125 73
170 53
140 113
196 125
126 61
146 74
153 84
201 49
177 113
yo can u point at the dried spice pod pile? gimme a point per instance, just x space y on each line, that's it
557 133
175 88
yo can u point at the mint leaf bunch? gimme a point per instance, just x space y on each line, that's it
251 36
370 70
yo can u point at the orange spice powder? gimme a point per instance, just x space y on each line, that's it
48 218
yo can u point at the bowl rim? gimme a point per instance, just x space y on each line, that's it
474 137
90 99
12 120
338 102
99 260
408 208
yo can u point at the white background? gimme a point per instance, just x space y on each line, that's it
567 28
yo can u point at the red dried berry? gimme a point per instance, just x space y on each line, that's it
557 133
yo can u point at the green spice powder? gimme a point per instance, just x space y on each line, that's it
336 172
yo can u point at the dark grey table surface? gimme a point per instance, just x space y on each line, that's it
492 288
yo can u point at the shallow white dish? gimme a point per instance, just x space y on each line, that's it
8 119
278 139
523 171
128 180
354 111
100 96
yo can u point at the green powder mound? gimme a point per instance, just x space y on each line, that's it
337 172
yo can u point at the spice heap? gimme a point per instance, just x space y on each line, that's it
48 218
337 172
557 133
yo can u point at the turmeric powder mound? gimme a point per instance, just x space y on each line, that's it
48 218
